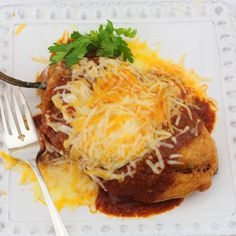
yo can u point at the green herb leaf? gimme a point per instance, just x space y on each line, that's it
107 41
75 35
58 57
129 32
78 52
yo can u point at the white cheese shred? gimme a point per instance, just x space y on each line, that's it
173 162
174 156
116 114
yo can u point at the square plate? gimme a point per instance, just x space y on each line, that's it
203 31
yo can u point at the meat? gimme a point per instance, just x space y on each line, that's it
200 163
54 76
196 148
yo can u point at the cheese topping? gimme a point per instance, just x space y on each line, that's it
68 185
19 29
122 111
115 114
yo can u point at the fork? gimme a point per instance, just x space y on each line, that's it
20 135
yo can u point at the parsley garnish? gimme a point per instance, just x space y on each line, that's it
107 41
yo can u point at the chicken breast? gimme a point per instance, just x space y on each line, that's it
199 163
189 156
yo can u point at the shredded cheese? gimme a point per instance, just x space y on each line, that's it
174 162
174 140
114 122
20 28
196 128
177 120
167 145
119 112
154 167
66 182
174 156
40 60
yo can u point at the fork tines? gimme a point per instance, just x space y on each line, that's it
18 128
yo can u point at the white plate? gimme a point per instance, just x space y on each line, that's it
204 31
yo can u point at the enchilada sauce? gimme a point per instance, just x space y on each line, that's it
134 196
129 208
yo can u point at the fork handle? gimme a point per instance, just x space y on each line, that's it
59 226
20 83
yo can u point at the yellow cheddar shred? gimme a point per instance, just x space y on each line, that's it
20 29
120 118
66 182
40 60
119 111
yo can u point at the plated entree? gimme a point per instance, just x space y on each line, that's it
123 131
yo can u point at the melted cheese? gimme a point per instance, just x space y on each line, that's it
20 29
68 185
119 119
40 60
119 111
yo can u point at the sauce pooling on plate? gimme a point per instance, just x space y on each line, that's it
129 208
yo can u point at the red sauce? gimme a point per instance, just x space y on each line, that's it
134 196
127 208
37 120
205 113
146 186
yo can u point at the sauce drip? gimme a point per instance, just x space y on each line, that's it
134 196
129 208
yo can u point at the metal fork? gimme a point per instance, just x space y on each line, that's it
20 135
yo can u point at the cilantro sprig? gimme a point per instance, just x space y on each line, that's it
107 41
